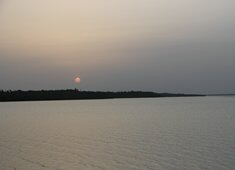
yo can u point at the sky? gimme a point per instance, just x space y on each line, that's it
175 46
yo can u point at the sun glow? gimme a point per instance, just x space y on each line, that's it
77 80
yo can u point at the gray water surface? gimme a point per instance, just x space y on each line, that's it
119 134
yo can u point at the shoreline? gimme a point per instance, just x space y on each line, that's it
55 95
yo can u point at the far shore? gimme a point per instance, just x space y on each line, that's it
75 94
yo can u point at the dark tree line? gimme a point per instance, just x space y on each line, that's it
74 94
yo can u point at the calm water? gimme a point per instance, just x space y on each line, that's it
119 134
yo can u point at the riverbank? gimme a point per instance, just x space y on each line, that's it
74 94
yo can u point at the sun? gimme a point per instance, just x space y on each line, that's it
77 80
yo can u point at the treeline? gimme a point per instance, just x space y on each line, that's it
74 94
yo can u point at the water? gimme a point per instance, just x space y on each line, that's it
119 134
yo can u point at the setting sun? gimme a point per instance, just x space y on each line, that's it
77 80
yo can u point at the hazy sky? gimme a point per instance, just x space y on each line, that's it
159 45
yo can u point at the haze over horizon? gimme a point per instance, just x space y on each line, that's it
151 45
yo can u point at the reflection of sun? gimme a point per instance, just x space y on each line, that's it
77 80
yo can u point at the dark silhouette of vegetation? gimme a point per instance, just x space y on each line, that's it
74 94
